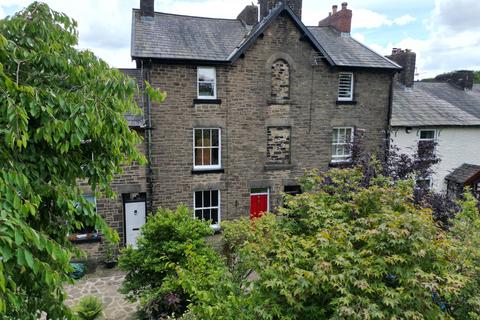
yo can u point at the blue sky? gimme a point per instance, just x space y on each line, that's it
445 34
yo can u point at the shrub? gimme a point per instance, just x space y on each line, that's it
350 250
89 308
171 242
345 249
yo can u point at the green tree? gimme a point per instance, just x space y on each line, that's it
345 250
61 119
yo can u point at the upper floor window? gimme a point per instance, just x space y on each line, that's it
426 144
206 83
206 149
345 86
280 80
342 140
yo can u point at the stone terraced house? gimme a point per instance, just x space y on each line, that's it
252 103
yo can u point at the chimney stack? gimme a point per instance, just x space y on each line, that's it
462 79
267 5
249 15
147 7
407 60
340 20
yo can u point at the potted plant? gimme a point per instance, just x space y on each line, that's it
89 308
110 256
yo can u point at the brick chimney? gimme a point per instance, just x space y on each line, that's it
407 60
249 15
340 20
267 5
147 7
462 79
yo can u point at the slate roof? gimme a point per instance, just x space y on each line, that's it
346 51
435 104
170 36
179 37
135 121
463 173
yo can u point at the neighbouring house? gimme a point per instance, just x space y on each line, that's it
465 176
443 113
252 103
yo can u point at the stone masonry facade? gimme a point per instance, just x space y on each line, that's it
275 110
247 110
280 80
278 145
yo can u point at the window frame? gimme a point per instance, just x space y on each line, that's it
433 140
352 80
426 130
341 159
430 182
207 167
215 226
214 84
88 236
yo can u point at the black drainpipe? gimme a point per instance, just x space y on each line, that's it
146 77
390 107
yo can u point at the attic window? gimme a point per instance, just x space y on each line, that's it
206 83
345 86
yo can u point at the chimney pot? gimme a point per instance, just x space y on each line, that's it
147 7
249 15
462 79
340 20
267 5
407 60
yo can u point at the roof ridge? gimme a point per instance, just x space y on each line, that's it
189 16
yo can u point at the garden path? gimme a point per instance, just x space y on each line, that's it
104 283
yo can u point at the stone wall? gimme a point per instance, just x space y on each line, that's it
280 80
278 145
246 112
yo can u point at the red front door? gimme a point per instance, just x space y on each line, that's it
258 205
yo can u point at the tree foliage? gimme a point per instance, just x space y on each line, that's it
342 250
61 119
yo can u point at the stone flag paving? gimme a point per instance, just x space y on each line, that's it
104 283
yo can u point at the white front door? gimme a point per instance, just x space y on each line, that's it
134 220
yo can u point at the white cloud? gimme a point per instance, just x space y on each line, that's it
448 42
452 40
368 19
358 36
404 20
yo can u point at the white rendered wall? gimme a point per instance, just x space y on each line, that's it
456 145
